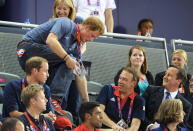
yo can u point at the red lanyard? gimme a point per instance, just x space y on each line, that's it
78 39
165 129
33 125
97 3
130 106
23 84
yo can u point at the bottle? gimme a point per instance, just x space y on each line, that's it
76 66
139 34
27 21
147 34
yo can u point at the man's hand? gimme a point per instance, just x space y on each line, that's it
117 128
71 64
151 127
51 116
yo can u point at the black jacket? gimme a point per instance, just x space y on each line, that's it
153 97
159 81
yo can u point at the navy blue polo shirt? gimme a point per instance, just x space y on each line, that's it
12 97
108 98
38 123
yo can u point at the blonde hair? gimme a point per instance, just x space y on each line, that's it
171 110
30 92
144 67
181 52
95 24
70 4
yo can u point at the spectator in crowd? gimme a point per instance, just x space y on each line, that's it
59 38
12 124
122 108
169 115
71 101
35 101
99 8
144 26
36 73
154 96
91 116
179 58
36 69
189 97
64 8
138 60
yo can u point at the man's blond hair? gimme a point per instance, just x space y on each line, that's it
95 24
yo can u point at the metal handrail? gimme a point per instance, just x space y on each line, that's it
179 41
127 36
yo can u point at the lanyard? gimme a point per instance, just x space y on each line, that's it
144 80
130 106
78 39
23 84
97 3
33 125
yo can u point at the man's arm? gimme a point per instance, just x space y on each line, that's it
109 21
107 121
82 88
15 113
55 46
135 124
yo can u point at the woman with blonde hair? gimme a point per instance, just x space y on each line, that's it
170 114
64 8
179 58
138 60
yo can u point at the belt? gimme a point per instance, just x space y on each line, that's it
21 43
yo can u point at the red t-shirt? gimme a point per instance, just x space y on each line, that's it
82 127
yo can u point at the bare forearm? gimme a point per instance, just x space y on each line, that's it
55 46
15 113
135 124
109 20
82 87
107 121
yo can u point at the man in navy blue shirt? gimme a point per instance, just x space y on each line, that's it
35 102
36 73
59 41
122 107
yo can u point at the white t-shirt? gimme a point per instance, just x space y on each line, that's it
86 7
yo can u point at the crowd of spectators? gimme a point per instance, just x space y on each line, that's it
49 97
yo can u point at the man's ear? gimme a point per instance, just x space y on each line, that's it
180 81
87 116
134 83
32 101
87 27
34 70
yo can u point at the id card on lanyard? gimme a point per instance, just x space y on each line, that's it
130 107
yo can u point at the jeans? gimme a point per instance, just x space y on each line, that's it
63 76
